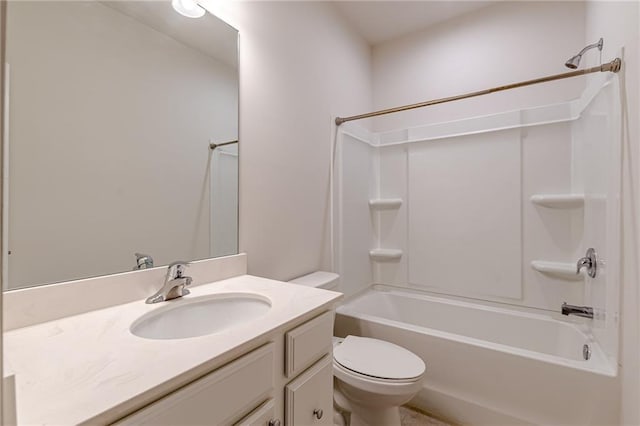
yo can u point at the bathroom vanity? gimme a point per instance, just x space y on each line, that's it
91 368
248 390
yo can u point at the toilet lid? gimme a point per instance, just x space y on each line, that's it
377 358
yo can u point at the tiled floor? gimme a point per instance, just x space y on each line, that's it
410 417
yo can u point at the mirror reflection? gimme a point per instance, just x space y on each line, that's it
122 129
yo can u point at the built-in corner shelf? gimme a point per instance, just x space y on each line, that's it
558 201
564 271
385 203
383 255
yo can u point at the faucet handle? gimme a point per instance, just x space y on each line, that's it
582 262
179 267
143 261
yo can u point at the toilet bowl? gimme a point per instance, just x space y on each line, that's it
372 378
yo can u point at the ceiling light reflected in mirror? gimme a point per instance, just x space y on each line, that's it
188 8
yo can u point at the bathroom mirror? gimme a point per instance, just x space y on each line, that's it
112 110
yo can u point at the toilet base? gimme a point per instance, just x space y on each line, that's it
367 414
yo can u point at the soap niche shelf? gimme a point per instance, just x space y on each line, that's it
385 203
558 201
562 270
385 255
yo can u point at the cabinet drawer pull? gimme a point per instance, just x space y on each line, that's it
318 413
274 422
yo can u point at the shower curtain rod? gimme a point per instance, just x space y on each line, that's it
613 66
213 146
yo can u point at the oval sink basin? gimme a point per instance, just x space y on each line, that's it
200 316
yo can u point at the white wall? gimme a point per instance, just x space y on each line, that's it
110 108
500 44
300 64
618 22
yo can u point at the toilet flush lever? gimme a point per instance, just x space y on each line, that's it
589 261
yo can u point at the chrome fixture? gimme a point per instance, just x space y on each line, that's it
175 283
574 61
143 261
580 311
613 66
586 352
188 8
589 261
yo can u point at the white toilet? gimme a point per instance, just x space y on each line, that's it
372 378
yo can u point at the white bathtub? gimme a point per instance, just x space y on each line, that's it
491 365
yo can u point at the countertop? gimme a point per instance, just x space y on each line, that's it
89 368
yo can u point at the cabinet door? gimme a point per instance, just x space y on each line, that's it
309 398
219 398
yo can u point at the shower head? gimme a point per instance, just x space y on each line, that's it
574 61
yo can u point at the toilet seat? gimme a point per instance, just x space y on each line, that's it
378 360
374 385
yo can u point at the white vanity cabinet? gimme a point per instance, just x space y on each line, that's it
288 380
309 361
220 397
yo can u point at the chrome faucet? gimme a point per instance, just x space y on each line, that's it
175 283
143 261
589 261
580 311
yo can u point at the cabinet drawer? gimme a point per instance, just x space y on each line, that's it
219 398
308 343
309 398
261 416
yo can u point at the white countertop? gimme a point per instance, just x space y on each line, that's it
90 368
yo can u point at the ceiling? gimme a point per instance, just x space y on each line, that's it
380 21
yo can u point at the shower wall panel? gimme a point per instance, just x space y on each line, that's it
465 217
597 170
391 224
491 188
223 224
549 234
357 184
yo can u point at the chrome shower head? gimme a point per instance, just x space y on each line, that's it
574 61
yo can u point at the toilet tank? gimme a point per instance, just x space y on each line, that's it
319 279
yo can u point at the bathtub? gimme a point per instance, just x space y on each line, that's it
489 364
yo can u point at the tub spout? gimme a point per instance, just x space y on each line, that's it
581 311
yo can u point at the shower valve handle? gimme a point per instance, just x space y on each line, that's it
589 261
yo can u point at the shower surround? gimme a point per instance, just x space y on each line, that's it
481 220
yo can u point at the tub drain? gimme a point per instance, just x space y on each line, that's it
586 352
